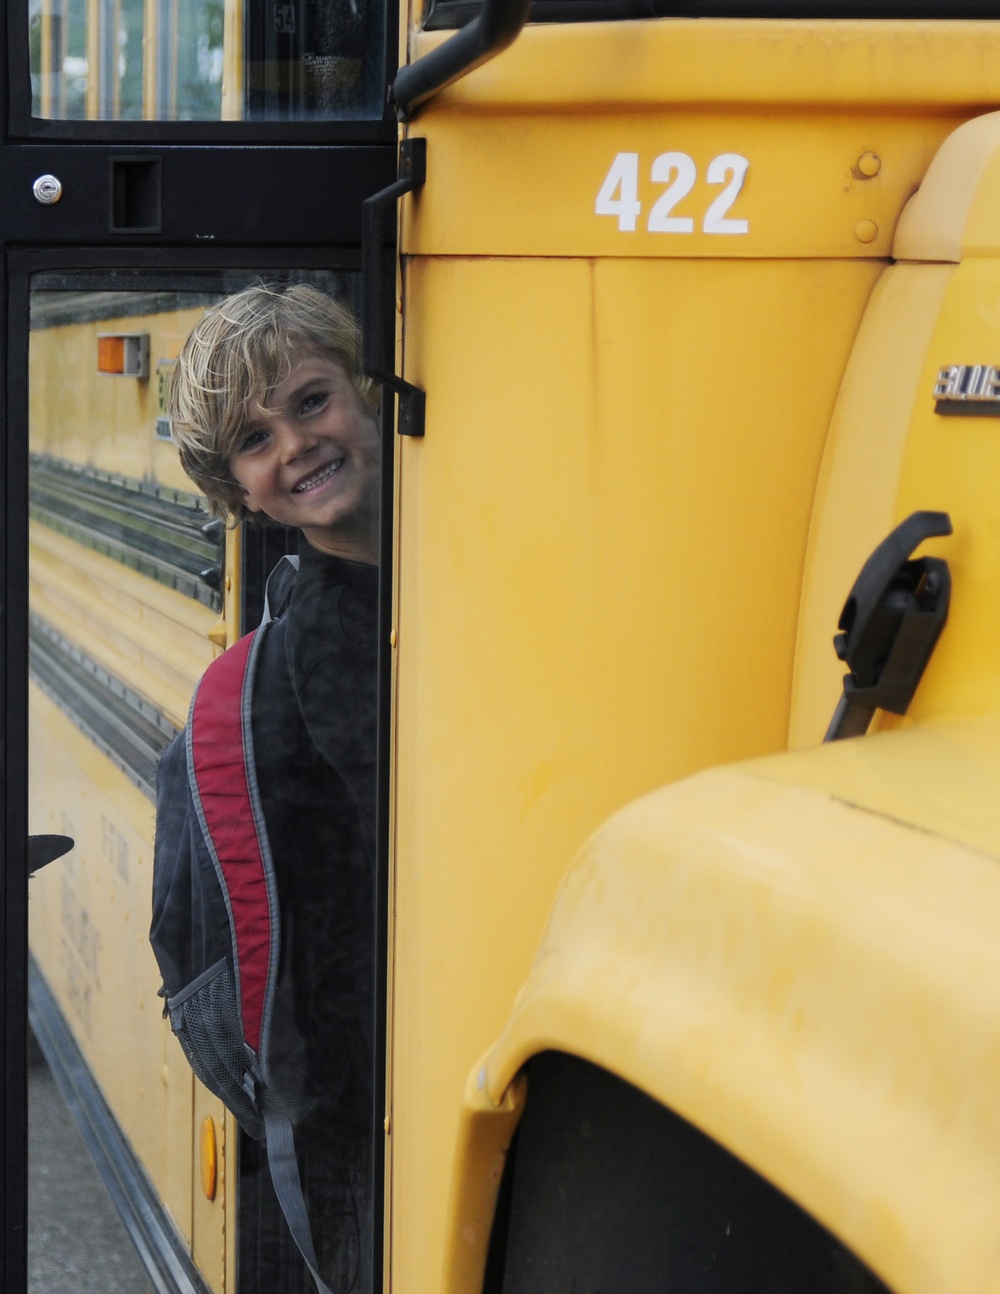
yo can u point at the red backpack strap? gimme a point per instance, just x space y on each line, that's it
223 782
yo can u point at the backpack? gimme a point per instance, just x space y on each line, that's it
216 928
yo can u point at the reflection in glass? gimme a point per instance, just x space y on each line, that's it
121 60
128 583
58 37
207 60
189 60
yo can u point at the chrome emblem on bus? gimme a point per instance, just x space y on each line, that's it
969 389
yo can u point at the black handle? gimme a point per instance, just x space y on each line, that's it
890 625
496 26
46 849
375 362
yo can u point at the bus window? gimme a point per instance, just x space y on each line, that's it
207 60
59 41
189 60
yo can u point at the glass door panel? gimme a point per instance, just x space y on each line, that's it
134 590
207 60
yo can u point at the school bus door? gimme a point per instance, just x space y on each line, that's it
152 158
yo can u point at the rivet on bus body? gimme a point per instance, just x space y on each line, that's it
229 582
165 1076
392 638
386 1124
866 231
869 164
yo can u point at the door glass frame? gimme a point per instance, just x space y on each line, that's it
96 263
22 125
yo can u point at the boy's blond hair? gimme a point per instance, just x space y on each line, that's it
243 348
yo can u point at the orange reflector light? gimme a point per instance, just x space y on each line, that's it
111 354
123 354
209 1158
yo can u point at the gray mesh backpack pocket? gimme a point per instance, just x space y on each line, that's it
205 1016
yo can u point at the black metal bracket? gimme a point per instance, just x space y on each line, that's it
377 338
890 624
494 28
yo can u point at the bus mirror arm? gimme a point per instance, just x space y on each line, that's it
494 28
890 625
377 341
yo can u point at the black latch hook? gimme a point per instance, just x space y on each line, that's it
890 624
377 344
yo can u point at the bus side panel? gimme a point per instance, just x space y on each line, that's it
602 539
89 928
96 610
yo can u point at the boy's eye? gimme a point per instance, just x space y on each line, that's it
252 440
312 402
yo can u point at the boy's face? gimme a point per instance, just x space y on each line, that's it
311 459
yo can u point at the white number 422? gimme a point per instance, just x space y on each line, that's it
619 194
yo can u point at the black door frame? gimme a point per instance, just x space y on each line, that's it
289 204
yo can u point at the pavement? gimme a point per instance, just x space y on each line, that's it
76 1241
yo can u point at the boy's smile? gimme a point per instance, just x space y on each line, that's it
310 459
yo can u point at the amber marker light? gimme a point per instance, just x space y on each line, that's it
209 1158
123 354
110 354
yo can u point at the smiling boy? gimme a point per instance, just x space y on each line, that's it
273 419
309 458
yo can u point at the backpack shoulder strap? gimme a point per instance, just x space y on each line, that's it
279 586
284 1168
223 784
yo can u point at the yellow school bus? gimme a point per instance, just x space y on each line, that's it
696 305
692 310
